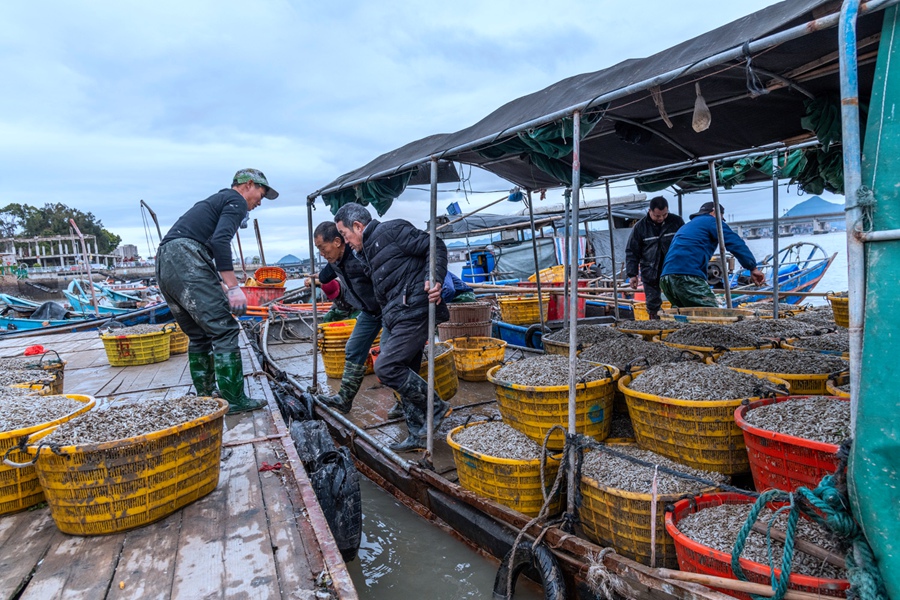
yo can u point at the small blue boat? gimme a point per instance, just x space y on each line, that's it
19 304
82 305
796 273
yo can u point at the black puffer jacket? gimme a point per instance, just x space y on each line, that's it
355 282
396 254
648 246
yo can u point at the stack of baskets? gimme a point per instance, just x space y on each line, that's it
475 356
467 319
332 340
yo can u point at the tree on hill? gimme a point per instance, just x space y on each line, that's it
21 220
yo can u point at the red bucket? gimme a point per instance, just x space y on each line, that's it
695 557
784 462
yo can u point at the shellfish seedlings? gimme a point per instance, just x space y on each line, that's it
20 409
784 361
122 420
818 418
499 440
588 334
548 370
693 381
710 335
623 474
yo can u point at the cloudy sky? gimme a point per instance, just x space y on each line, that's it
110 102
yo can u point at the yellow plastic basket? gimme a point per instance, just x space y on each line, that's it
474 356
831 386
97 489
840 306
554 347
555 274
19 487
534 410
512 483
52 366
621 520
446 381
698 433
332 343
522 310
659 331
178 340
799 384
704 314
45 384
640 310
133 350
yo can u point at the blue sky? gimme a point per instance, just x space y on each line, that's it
107 103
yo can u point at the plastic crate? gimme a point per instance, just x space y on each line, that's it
474 356
257 296
133 350
698 433
840 306
512 483
695 557
521 310
621 520
19 487
534 410
97 489
784 462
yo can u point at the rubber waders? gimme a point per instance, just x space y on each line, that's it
203 373
350 384
230 375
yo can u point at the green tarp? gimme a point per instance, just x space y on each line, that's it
380 193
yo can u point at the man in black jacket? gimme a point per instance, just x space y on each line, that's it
647 247
356 290
397 257
196 277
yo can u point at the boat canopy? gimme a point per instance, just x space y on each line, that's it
770 80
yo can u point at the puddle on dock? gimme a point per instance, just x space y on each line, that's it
404 556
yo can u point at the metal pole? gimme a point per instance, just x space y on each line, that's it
775 174
241 253
714 186
432 249
262 256
537 265
312 289
612 252
680 195
567 225
852 145
87 266
573 300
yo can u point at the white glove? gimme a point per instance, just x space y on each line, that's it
237 300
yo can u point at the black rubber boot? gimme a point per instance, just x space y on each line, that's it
350 384
396 411
414 397
230 375
203 373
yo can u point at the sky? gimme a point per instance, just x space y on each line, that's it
108 103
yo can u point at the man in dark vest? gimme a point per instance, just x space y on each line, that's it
397 257
647 248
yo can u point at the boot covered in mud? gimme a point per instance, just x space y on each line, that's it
414 398
230 375
396 411
203 373
350 384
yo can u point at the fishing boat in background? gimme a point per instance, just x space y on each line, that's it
18 327
800 267
19 304
82 305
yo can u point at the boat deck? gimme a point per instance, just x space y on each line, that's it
259 534
474 401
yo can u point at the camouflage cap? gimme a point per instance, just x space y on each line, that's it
256 176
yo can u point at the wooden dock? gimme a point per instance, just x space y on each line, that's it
260 534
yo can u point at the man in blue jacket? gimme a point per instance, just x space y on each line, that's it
683 279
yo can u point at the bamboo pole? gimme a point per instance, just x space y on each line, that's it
760 589
573 301
432 318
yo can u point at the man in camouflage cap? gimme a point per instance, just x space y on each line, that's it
196 277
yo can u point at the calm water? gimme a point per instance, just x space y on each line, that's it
403 556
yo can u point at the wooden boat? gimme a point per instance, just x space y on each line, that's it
157 313
801 267
19 304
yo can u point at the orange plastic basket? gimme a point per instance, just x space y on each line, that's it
263 273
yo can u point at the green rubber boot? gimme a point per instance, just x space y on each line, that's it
230 375
203 373
350 384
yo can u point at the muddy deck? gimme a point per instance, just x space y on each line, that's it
260 534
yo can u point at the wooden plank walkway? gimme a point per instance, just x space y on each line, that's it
257 535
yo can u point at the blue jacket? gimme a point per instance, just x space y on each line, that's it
696 242
453 286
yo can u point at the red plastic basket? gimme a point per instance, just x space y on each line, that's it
784 462
695 557
257 295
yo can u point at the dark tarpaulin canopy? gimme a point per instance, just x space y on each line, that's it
478 223
613 141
